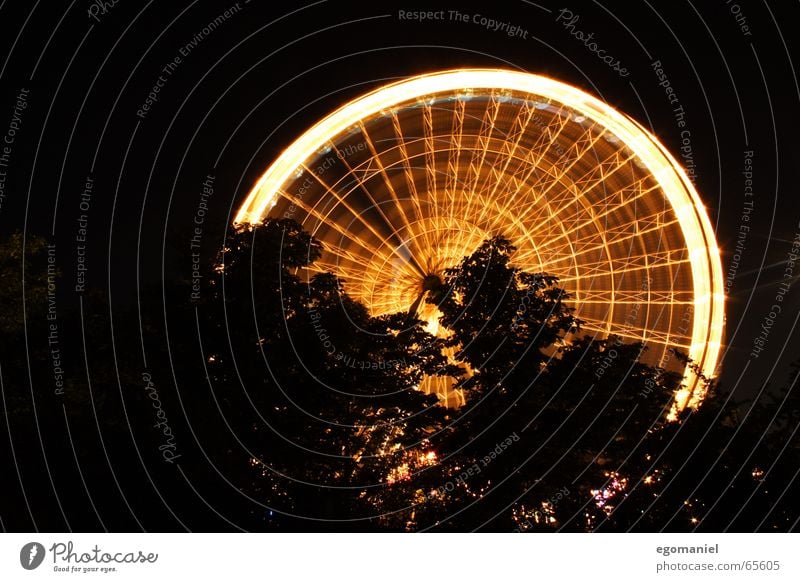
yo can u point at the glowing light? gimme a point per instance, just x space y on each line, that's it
400 473
412 461
402 182
604 497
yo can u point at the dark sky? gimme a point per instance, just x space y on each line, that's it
242 92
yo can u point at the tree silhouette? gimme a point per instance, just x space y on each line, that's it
326 391
299 410
499 316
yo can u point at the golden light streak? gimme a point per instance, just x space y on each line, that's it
576 182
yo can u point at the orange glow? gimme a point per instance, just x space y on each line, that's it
404 181
400 473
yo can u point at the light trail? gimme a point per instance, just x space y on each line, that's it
406 180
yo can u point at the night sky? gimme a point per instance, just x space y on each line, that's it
118 114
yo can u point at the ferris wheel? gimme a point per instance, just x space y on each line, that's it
403 182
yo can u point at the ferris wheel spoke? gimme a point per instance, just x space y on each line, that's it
360 283
548 141
564 165
325 219
361 176
344 272
625 198
483 140
408 171
599 271
637 334
345 254
507 150
356 215
618 301
462 203
642 296
527 166
451 188
398 205
581 189
665 259
616 235
431 167
556 173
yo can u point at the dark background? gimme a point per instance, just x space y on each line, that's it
271 70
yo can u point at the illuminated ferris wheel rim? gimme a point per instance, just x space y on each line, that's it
698 234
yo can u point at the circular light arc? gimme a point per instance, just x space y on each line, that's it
695 226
